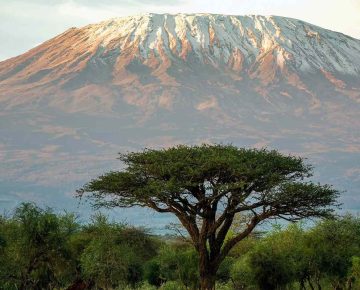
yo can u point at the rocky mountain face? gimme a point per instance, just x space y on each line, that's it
70 104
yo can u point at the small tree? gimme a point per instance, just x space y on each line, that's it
333 244
35 253
278 260
115 254
206 186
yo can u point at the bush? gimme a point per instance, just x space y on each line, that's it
224 286
174 262
115 254
43 250
35 249
242 274
173 285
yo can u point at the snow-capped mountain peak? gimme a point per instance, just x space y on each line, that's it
220 38
166 49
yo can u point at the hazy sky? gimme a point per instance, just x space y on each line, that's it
26 23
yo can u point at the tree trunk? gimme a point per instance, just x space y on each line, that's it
207 273
207 269
207 280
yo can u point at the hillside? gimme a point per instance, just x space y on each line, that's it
70 104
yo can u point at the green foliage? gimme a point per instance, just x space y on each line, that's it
333 243
173 285
354 274
36 253
153 176
270 268
115 254
152 273
223 274
43 250
143 286
242 274
174 262
224 286
324 256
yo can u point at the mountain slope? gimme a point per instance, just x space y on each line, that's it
68 105
135 52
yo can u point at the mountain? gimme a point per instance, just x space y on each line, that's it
70 104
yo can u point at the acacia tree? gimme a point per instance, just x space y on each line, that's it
206 186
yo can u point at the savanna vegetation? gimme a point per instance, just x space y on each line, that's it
43 250
221 196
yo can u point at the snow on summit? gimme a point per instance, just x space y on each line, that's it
220 37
